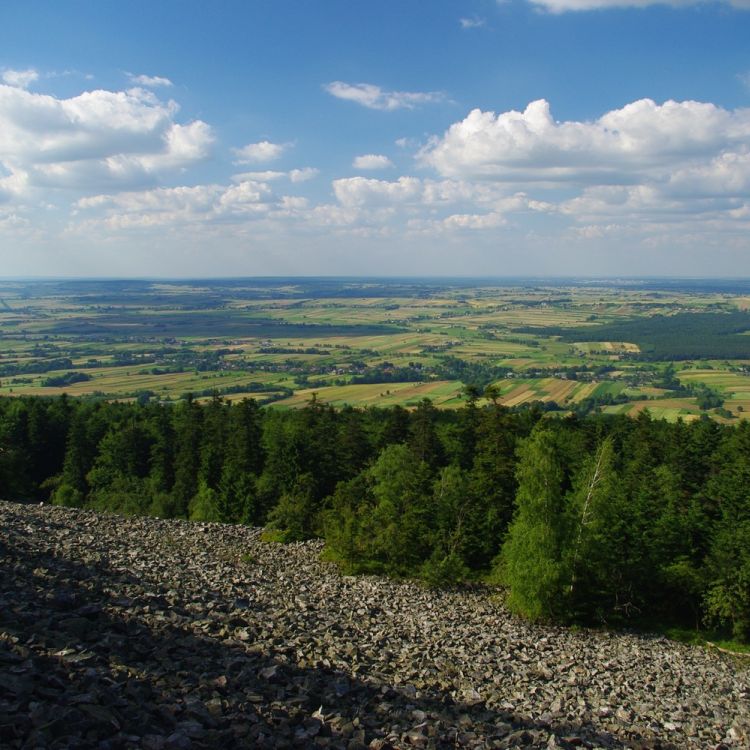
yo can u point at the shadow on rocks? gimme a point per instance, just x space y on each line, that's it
90 656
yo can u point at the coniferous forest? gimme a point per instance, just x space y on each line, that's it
602 519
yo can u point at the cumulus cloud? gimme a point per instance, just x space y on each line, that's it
649 169
97 138
259 153
624 145
374 97
149 81
21 79
372 161
562 6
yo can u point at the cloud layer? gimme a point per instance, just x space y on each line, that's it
106 163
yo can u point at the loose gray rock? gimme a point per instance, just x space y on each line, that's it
144 633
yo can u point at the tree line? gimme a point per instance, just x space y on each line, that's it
590 519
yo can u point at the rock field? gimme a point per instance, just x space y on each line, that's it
142 633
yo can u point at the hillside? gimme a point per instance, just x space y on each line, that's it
130 632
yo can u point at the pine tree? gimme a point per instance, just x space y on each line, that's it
402 521
188 423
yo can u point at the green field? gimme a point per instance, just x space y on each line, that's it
368 342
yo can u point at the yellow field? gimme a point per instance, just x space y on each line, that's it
443 393
515 393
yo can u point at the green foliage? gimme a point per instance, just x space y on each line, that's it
590 519
204 506
532 556
68 378
68 497
126 495
599 578
400 518
442 570
709 335
728 596
295 516
347 525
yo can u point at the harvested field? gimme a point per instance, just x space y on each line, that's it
141 633
443 393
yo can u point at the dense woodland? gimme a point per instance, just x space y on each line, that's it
681 336
593 520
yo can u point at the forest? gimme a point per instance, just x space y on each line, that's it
601 519
681 336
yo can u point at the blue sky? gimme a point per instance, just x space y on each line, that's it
556 137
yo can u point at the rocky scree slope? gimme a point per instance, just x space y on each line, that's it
143 633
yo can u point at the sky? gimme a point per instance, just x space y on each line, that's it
353 137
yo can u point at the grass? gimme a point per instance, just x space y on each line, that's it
708 639
272 536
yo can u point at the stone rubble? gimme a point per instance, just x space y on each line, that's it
168 635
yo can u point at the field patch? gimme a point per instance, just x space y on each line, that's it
443 393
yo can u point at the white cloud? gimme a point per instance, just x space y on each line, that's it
412 191
472 23
21 79
259 153
360 191
562 6
268 175
497 216
13 221
374 97
272 175
475 221
149 81
178 206
304 174
95 139
745 79
641 139
372 161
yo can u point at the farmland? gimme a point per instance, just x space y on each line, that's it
678 349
